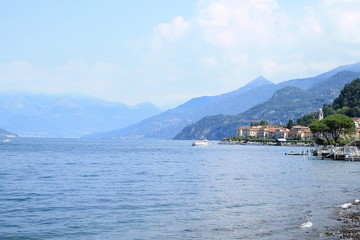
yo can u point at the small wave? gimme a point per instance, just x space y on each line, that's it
307 224
16 199
346 205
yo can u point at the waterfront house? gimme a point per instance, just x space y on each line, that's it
260 132
300 133
268 131
282 133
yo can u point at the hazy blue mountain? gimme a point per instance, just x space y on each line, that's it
4 133
66 116
287 103
330 87
212 128
306 83
170 122
257 82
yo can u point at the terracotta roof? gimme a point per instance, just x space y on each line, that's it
298 127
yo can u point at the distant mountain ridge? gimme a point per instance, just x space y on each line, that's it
306 83
4 133
169 123
287 103
39 115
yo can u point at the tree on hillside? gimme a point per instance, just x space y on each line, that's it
349 96
327 110
290 124
306 120
350 112
347 103
264 123
254 124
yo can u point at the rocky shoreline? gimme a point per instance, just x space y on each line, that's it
349 223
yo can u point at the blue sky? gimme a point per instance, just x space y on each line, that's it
167 52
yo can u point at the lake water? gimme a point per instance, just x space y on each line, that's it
154 189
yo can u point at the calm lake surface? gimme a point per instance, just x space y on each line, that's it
154 189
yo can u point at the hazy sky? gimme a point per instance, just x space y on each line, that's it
167 52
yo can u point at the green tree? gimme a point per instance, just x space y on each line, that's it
290 124
320 127
306 120
338 124
343 110
353 112
328 110
264 123
254 124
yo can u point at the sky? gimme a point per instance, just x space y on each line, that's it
167 52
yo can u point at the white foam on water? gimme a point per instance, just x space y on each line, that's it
307 224
345 205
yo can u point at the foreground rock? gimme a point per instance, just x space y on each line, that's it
349 227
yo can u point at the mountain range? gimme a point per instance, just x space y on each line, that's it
5 134
39 115
214 117
167 124
287 103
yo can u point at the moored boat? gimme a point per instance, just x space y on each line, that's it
202 143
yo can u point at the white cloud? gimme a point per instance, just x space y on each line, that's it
173 30
343 18
240 59
240 40
209 62
168 32
309 24
232 22
225 44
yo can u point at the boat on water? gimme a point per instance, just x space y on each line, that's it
202 143
6 140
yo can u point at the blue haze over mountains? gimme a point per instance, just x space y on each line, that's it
39 115
209 117
255 97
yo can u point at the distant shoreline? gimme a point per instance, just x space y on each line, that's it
292 143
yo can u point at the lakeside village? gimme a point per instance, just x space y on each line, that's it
258 134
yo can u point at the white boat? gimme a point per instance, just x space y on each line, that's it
202 143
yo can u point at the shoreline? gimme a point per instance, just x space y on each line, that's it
268 143
348 219
349 224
